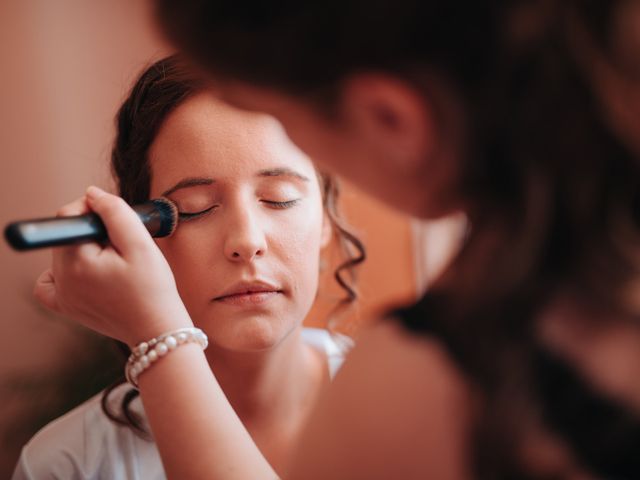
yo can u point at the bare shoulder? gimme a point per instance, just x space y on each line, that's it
398 408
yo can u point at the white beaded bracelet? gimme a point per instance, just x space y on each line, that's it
145 354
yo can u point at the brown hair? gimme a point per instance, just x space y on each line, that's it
159 90
553 191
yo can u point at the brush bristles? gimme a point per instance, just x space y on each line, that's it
168 216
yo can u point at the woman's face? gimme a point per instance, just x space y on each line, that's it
246 252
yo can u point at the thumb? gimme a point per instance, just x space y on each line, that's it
126 231
45 291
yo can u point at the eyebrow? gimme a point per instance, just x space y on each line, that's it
269 172
189 182
282 172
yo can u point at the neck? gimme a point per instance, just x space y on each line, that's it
272 391
264 386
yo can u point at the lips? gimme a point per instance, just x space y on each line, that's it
249 292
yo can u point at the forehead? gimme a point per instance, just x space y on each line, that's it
205 137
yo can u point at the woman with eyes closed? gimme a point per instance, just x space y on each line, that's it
254 215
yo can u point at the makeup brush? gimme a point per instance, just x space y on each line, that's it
159 216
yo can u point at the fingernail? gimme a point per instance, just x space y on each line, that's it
93 193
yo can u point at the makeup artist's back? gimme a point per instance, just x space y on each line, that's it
525 116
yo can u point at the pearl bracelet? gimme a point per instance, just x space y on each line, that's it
145 354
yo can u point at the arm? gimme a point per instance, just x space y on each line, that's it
199 435
127 291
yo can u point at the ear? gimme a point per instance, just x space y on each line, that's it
327 231
391 116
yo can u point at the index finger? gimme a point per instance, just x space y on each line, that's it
77 207
126 231
65 256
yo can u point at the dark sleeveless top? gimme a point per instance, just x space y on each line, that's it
604 436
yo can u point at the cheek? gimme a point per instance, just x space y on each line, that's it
298 245
300 250
189 254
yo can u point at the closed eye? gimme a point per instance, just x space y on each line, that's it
186 216
281 205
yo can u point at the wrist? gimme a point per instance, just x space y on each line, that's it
145 354
163 321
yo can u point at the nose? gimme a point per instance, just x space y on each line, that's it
246 240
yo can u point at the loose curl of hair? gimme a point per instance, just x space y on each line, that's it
553 191
160 89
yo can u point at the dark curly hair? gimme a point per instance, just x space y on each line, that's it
160 89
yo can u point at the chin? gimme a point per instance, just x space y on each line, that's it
251 335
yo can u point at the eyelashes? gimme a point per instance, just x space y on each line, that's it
186 216
281 205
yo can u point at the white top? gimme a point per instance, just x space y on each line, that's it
85 444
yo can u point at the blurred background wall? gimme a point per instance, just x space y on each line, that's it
66 66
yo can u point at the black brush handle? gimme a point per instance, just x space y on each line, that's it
158 216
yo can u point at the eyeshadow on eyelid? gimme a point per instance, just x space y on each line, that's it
290 182
280 193
193 199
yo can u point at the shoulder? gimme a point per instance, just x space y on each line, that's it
398 405
334 346
81 444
